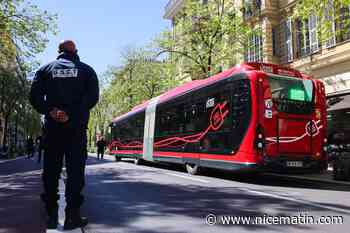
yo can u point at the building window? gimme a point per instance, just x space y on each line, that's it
313 34
274 37
329 17
285 43
254 51
343 24
303 38
251 8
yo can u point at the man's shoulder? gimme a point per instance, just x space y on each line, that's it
48 66
86 67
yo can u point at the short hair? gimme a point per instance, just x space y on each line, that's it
67 46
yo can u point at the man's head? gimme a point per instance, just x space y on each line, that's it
67 46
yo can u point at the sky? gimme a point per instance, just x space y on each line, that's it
103 29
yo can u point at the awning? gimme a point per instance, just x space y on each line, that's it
338 103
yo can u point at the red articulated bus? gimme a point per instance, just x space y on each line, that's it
252 116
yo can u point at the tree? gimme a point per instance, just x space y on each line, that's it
23 29
209 36
23 33
140 78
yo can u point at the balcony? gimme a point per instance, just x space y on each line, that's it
172 8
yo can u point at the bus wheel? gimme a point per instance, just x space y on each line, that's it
118 159
138 161
192 169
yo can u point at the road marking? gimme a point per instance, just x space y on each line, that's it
261 193
9 160
187 177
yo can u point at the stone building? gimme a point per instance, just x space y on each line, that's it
283 41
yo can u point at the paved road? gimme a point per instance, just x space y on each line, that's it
21 210
123 197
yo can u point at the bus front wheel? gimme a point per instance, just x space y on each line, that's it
118 159
192 169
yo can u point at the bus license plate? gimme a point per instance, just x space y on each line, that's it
294 163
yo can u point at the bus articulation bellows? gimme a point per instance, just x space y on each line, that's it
252 116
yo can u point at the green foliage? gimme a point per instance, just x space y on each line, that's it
326 12
206 37
23 33
140 78
14 105
24 28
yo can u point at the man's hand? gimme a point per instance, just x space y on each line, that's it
59 115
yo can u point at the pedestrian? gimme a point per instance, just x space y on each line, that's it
30 147
40 145
101 147
65 91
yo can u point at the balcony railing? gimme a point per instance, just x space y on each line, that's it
172 8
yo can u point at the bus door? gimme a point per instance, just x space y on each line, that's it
288 116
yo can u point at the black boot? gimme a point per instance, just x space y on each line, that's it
52 220
74 220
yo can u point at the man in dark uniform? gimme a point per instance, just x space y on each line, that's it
101 147
64 91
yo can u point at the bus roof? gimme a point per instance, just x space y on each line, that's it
186 87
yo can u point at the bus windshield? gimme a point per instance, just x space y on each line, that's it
291 88
292 95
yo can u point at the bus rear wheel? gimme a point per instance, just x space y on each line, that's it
192 169
138 161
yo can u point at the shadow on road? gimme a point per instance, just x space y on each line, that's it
20 165
120 199
256 179
21 210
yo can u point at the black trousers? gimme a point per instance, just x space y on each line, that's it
63 142
100 153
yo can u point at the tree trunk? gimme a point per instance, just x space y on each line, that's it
6 119
16 131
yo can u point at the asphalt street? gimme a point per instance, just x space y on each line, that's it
123 197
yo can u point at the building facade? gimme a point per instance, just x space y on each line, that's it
291 42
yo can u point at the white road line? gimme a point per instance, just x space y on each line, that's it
261 193
187 177
10 160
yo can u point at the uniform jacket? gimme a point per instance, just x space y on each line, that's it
67 84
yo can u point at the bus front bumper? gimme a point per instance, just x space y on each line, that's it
294 163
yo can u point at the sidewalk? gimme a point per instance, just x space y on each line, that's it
21 209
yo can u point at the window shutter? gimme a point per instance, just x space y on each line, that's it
313 33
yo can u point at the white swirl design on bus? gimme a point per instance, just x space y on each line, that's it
312 128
